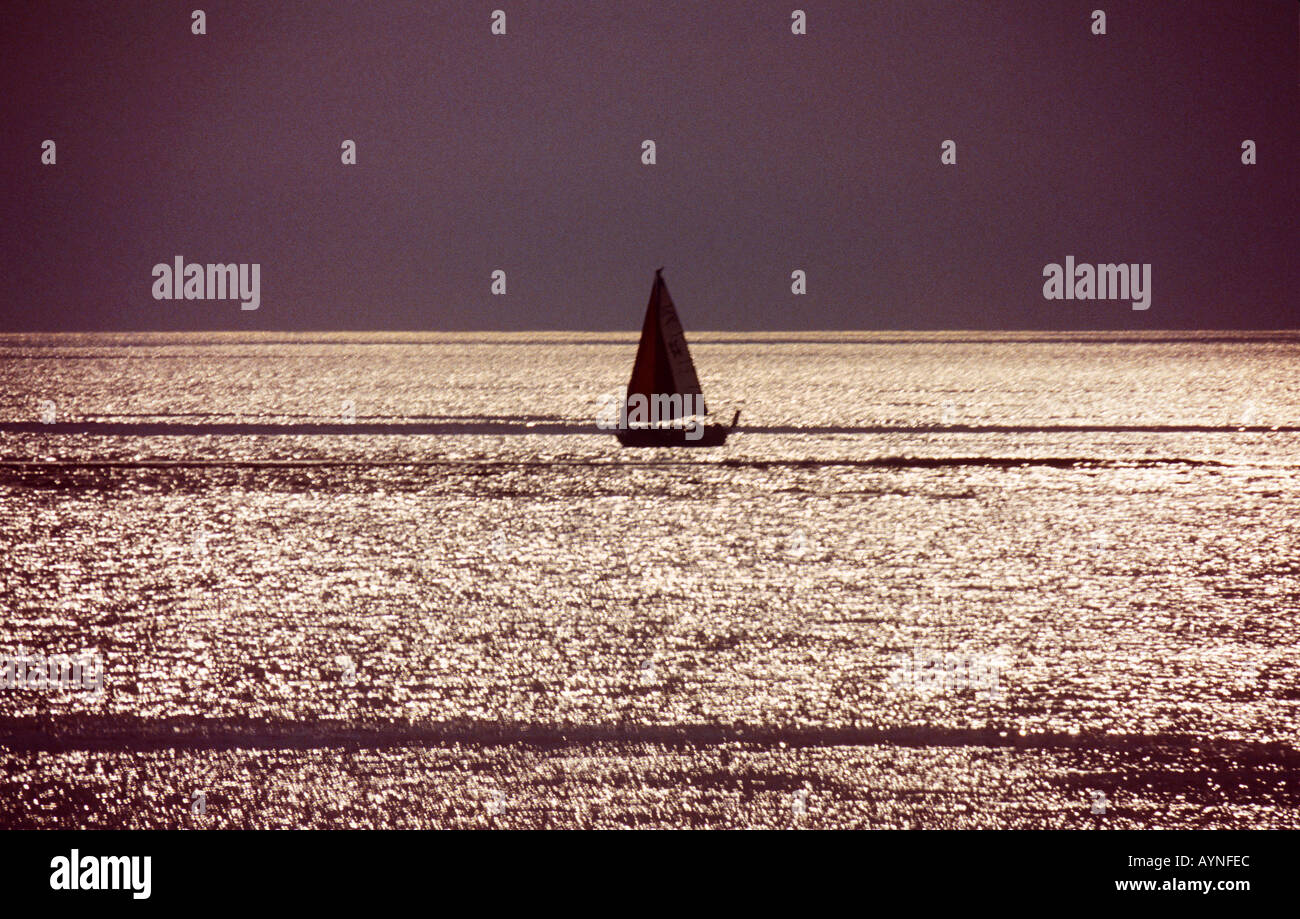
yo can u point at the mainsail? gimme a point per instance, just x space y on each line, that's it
663 362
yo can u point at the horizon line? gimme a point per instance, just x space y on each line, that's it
635 333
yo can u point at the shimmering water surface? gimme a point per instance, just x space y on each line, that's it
400 580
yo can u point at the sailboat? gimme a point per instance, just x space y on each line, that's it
665 406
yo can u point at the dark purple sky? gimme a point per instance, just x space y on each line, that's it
775 152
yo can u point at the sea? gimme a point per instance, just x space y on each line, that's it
932 580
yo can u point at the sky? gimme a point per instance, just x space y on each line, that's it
775 152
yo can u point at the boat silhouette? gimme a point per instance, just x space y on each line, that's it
664 406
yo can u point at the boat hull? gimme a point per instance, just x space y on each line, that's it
712 436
